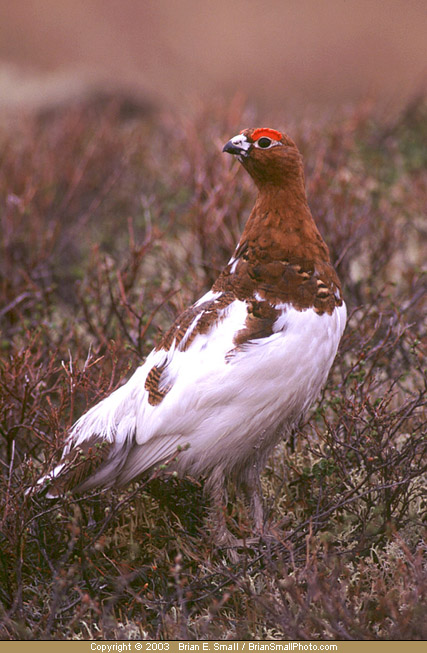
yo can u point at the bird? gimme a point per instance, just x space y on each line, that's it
237 370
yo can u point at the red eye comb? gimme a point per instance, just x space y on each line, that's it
266 132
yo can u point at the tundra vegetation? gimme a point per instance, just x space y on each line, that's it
111 223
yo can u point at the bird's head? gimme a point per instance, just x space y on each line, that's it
269 156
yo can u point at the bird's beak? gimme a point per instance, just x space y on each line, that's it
238 145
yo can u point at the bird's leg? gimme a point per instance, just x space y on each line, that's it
250 484
218 500
257 505
217 493
252 490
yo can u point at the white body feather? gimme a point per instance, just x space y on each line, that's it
223 402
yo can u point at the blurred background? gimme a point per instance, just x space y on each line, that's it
277 53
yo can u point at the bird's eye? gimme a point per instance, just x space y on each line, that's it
264 142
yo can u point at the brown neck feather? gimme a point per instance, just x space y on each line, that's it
281 223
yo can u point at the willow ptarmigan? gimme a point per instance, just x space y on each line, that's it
238 368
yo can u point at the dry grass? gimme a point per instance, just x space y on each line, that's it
109 228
